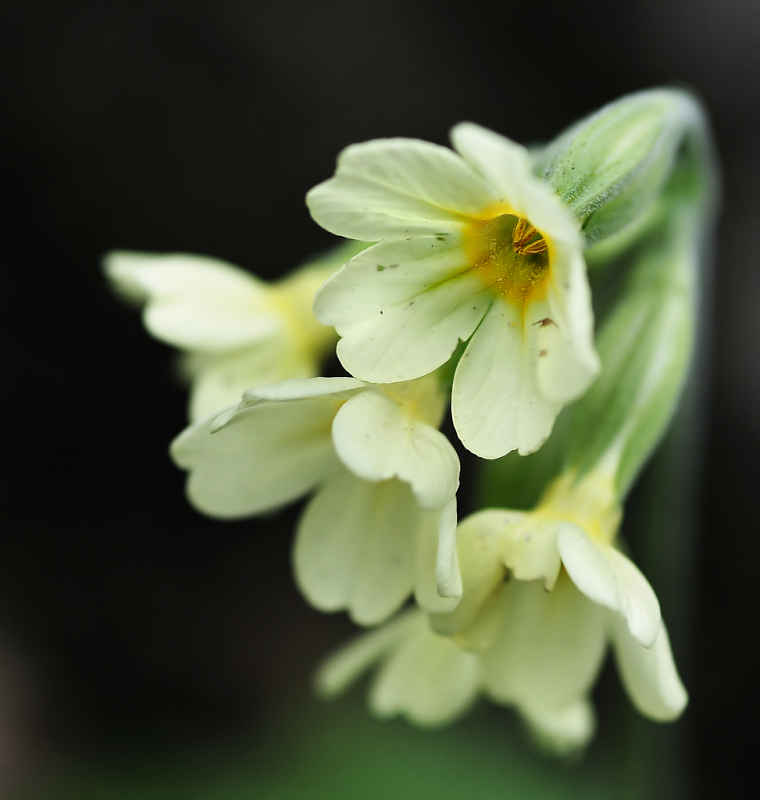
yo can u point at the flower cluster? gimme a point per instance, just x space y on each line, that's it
473 293
544 593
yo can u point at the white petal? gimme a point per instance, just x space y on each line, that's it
197 303
549 649
530 550
377 441
607 577
436 543
496 403
403 321
569 362
500 160
480 543
391 188
346 666
263 457
221 379
356 546
427 679
313 388
564 729
448 578
507 167
649 675
386 275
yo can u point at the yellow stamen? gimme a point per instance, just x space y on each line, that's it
509 254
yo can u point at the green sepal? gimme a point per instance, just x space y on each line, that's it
646 342
610 167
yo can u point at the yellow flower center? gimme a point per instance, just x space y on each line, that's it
422 399
509 254
590 503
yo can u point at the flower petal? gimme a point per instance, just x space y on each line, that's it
549 649
507 166
221 379
448 578
377 441
569 362
564 729
607 577
427 679
262 458
388 274
499 160
496 403
480 542
436 543
346 666
356 545
197 303
648 674
530 550
404 320
392 188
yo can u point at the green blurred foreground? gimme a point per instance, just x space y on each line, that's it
336 751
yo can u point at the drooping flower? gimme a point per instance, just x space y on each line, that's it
471 245
542 635
383 520
535 642
235 330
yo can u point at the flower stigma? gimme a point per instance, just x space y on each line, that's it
509 254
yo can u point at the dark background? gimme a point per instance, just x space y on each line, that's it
124 615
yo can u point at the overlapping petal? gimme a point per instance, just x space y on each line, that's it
404 320
569 362
219 379
260 458
530 550
607 577
426 678
549 648
561 729
649 674
355 548
349 663
195 302
376 440
437 582
480 546
393 188
496 403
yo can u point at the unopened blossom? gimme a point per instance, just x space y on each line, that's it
470 246
234 330
383 520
